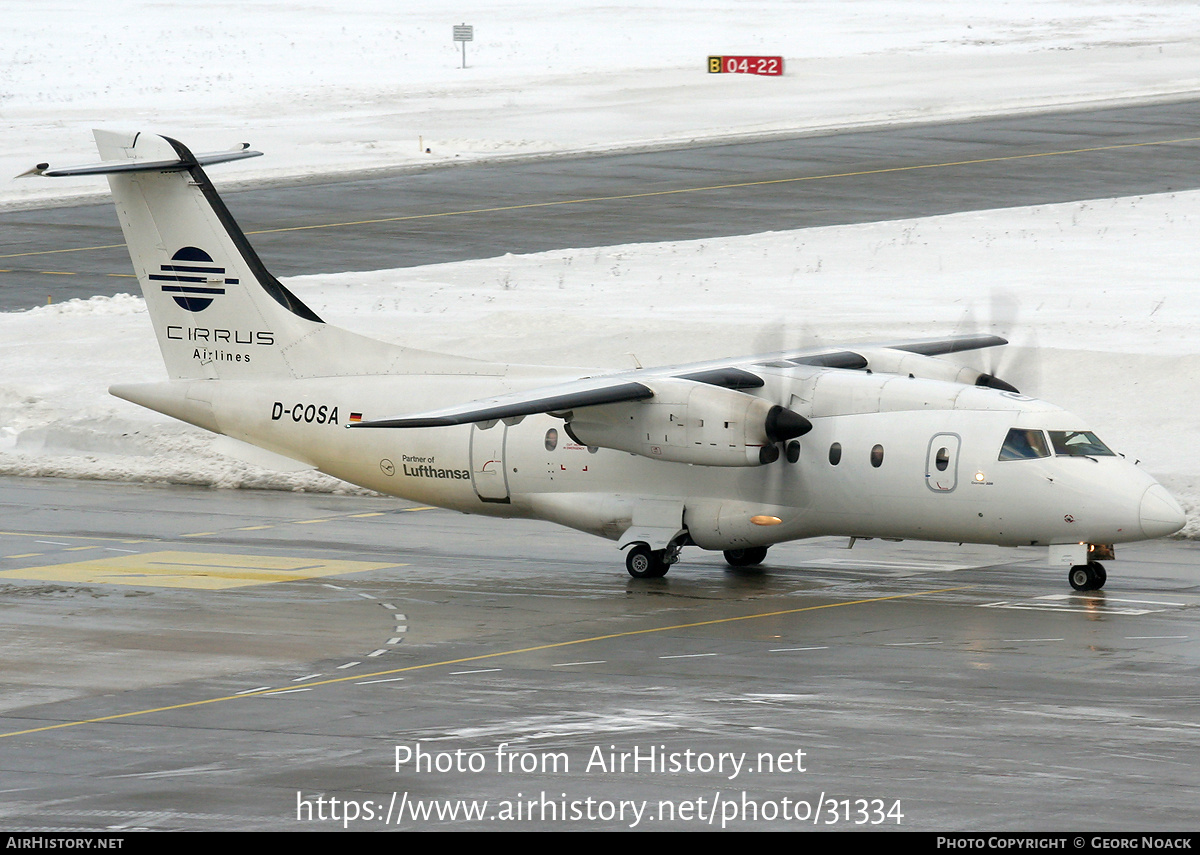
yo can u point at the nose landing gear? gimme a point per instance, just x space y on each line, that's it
1087 577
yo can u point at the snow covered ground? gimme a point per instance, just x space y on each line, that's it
326 86
1105 289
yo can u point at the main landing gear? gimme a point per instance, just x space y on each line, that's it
642 562
751 556
1087 577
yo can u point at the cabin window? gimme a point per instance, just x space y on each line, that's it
877 456
1078 443
793 451
1022 444
835 454
942 460
551 439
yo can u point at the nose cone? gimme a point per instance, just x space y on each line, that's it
1161 514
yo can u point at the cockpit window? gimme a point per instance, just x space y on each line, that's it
1022 444
1078 443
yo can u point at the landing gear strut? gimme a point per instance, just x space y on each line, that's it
751 556
642 562
1087 577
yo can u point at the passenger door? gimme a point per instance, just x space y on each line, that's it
941 462
488 473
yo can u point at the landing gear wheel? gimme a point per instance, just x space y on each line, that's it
642 562
751 556
1087 577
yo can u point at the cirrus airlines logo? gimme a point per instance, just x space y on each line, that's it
194 279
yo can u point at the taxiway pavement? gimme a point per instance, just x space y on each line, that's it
189 659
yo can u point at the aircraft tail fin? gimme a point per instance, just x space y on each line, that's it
217 311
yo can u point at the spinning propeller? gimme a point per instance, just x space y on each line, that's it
1013 361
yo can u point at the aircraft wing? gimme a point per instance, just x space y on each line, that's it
954 344
736 374
851 357
559 398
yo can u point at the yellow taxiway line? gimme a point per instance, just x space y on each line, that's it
678 191
478 658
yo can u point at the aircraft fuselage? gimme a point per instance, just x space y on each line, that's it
928 473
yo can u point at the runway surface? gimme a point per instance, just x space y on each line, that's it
744 187
188 659
192 659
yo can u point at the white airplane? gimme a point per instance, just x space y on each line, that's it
884 441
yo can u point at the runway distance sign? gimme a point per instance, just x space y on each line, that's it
768 65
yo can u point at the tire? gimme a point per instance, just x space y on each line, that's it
751 556
1082 577
1101 574
642 562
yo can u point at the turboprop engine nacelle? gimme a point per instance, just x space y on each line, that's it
892 361
690 422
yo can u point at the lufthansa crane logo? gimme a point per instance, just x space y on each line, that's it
195 279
